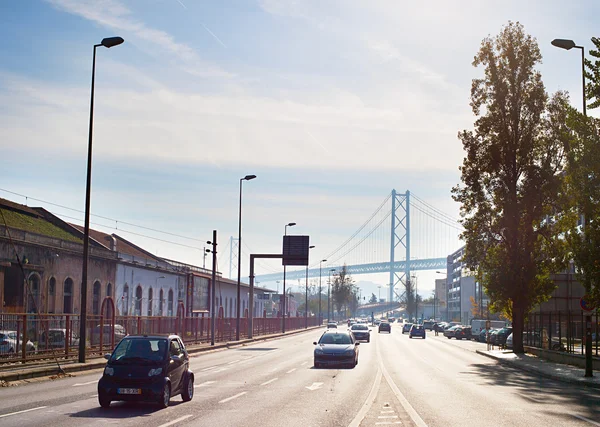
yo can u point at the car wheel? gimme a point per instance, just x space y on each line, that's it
317 365
188 393
103 400
449 337
165 397
410 336
369 339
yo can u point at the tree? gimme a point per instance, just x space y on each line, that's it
373 299
583 188
592 75
512 177
341 289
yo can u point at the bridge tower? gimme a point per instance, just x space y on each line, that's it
400 237
233 256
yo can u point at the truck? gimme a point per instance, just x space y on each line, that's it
477 325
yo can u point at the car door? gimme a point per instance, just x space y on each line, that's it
176 365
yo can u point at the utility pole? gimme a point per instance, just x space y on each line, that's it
213 304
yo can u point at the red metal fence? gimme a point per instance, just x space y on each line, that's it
48 335
562 331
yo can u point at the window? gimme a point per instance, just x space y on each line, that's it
109 290
125 300
34 293
170 306
51 294
175 348
150 302
96 298
68 296
138 301
161 302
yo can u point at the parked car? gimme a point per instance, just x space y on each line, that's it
417 331
462 332
331 325
336 348
147 368
361 332
483 335
11 343
428 324
449 332
384 326
119 332
502 335
448 325
406 327
56 339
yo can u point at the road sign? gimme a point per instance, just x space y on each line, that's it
585 303
295 250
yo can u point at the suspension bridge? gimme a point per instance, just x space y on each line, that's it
404 234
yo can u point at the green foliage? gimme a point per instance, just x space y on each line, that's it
373 299
343 291
512 176
592 75
35 225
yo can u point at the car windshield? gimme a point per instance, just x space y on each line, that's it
335 339
359 328
140 351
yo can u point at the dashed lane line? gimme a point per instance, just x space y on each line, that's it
204 384
290 371
235 396
88 383
22 412
170 423
270 381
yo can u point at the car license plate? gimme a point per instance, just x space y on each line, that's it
129 391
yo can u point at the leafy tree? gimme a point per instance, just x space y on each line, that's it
373 299
583 187
592 75
512 177
341 289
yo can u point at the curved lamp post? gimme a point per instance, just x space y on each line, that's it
291 224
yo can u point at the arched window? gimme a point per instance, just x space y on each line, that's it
138 301
125 300
68 296
109 290
96 298
150 302
227 314
34 293
170 308
51 294
161 302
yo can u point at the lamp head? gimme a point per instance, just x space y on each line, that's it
111 41
563 43
291 224
249 177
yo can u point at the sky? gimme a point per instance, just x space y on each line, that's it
330 103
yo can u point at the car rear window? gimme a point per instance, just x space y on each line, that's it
335 339
359 328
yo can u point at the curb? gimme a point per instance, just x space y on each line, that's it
540 372
97 363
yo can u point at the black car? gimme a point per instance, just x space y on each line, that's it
502 335
384 326
361 332
336 348
462 332
149 368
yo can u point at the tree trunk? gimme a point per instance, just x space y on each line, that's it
518 324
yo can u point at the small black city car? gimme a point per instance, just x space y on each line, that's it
147 368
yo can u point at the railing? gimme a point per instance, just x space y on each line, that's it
561 331
48 336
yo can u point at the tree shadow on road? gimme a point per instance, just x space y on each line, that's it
122 410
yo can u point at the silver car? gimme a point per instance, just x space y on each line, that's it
9 344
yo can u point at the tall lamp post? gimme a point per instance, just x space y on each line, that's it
329 307
568 45
320 291
291 224
237 319
108 43
447 299
306 300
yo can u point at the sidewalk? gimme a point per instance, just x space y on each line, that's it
70 366
556 371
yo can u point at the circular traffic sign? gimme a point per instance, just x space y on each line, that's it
585 303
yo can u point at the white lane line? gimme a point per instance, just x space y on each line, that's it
170 423
594 423
204 384
303 363
88 383
219 370
207 369
290 371
22 412
233 397
369 402
387 412
388 423
314 386
270 381
387 416
234 361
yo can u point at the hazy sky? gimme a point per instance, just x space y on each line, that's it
331 103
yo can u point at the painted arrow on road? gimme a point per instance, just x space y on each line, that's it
314 386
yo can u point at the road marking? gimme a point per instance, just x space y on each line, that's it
314 386
219 370
290 371
369 402
388 423
88 383
594 423
303 363
204 384
208 369
233 397
387 412
388 416
234 361
22 412
170 423
270 381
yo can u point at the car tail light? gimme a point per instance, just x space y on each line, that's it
3 342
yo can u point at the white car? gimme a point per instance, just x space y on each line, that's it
9 344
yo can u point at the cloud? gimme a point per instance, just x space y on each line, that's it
113 14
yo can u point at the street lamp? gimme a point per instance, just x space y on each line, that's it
320 291
108 43
329 296
237 320
306 301
568 45
291 224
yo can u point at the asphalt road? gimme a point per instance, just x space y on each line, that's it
398 381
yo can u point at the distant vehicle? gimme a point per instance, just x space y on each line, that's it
417 331
391 319
361 332
406 327
384 326
478 325
336 348
449 333
10 343
119 332
428 324
377 322
56 339
502 335
147 368
331 325
462 332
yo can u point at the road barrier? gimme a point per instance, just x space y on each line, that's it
561 331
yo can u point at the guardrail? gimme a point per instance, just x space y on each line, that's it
34 337
561 331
